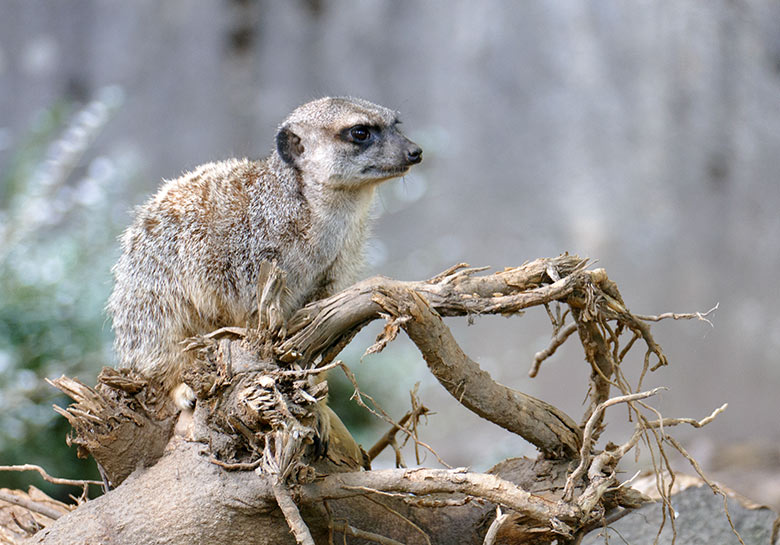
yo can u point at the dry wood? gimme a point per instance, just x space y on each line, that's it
557 340
433 481
24 513
495 526
347 530
548 428
322 323
587 442
166 503
37 507
259 408
389 437
47 477
123 425
291 514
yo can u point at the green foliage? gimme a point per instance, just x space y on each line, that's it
387 377
57 243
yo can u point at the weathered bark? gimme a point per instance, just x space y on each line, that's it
455 292
124 423
320 325
552 431
260 436
185 498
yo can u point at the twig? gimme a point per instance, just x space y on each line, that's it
399 457
291 514
388 437
607 460
380 413
240 466
420 482
313 370
587 437
444 274
676 316
31 505
714 487
418 408
495 526
628 346
47 477
611 306
693 422
330 519
433 503
344 528
403 518
597 353
555 319
29 527
556 341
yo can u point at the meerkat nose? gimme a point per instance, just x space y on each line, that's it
414 155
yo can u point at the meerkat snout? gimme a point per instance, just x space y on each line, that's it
414 155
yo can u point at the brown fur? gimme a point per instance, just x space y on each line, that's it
190 259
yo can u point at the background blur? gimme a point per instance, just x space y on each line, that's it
644 135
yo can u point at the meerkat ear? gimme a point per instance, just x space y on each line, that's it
288 145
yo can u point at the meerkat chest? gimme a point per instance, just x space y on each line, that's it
333 245
342 225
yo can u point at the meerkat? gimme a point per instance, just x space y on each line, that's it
190 259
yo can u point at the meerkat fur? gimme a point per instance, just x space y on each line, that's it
190 259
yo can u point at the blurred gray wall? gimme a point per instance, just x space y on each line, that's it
645 135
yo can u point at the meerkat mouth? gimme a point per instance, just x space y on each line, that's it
387 172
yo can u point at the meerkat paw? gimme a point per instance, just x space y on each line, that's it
184 397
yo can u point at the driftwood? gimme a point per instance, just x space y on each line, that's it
255 462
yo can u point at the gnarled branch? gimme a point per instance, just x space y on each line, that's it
257 389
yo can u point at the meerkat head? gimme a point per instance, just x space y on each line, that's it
345 143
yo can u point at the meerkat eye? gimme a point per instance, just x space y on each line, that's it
360 133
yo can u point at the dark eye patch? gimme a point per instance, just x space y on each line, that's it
360 134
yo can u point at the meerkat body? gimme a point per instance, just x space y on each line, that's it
190 259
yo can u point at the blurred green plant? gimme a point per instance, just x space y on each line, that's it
388 377
58 229
62 205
